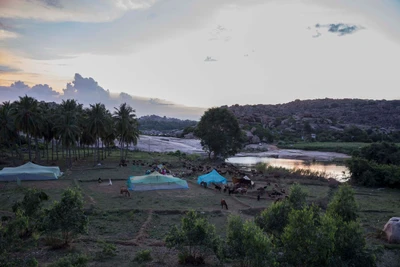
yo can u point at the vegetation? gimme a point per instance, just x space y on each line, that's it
220 133
376 165
195 239
67 124
67 216
163 124
143 256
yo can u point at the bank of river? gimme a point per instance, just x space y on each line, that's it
328 169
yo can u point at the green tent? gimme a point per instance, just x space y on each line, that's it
155 181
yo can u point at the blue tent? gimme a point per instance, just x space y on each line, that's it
212 177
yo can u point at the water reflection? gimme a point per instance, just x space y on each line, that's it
330 170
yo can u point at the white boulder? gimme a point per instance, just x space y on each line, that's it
392 230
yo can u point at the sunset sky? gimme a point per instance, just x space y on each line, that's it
167 55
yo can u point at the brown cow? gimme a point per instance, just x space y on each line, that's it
223 203
125 191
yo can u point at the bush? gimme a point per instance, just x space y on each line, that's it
247 243
107 250
196 238
72 260
143 256
344 204
274 219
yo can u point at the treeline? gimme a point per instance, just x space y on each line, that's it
57 225
66 127
163 124
376 165
289 233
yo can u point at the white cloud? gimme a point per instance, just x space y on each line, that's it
70 10
7 34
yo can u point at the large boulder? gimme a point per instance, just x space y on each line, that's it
392 230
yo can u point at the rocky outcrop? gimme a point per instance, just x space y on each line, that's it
392 230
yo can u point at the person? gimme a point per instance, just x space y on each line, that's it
99 180
109 182
258 197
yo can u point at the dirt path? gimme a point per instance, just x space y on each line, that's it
142 234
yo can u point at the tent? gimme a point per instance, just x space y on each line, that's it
211 177
155 181
30 172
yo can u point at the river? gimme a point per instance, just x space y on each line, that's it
328 169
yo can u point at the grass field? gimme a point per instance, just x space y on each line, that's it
142 221
341 147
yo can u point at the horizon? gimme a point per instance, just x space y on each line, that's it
178 58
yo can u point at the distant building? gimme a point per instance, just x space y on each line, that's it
313 136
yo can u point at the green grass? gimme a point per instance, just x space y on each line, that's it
341 147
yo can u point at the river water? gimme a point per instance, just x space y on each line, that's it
328 169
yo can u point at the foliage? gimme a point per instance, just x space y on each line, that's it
195 238
297 197
164 124
261 166
369 173
219 132
274 219
344 204
107 250
247 243
67 216
308 239
72 260
381 153
143 256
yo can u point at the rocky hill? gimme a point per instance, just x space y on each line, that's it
156 125
328 119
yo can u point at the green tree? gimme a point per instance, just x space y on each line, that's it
219 132
297 197
344 204
8 132
195 239
26 114
126 126
309 239
247 243
67 216
97 121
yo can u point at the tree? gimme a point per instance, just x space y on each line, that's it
194 239
247 243
344 204
309 239
219 132
126 126
67 216
8 132
26 114
97 123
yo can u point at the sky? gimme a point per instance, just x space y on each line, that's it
180 57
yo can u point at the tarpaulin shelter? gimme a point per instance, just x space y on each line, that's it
155 181
212 177
30 172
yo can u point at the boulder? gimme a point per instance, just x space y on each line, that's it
392 230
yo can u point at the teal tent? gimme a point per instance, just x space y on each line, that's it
212 177
155 181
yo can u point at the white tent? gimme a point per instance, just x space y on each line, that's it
30 172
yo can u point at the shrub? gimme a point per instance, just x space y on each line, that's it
297 197
107 250
247 243
143 256
71 260
344 204
274 219
195 239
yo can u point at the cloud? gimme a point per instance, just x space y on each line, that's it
4 34
340 28
70 10
209 59
87 91
19 88
4 68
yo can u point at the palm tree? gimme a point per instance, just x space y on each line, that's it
8 131
67 127
126 126
97 120
26 114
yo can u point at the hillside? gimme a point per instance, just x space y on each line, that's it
156 125
327 119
